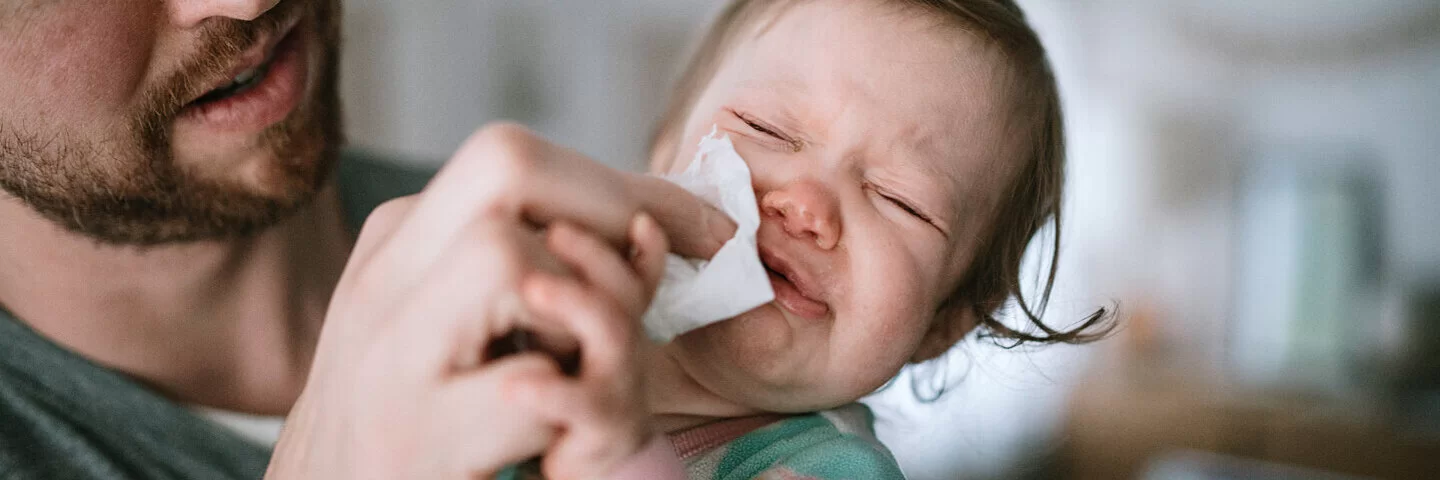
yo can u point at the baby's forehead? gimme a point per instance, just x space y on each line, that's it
947 111
944 87
897 32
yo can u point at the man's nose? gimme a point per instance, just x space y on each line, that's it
188 13
807 210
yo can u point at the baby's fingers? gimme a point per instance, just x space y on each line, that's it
598 428
488 396
607 334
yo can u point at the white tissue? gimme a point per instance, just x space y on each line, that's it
696 293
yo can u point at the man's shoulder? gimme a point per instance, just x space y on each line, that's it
36 443
368 179
62 416
41 438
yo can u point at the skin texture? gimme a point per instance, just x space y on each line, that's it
126 225
876 153
437 277
101 145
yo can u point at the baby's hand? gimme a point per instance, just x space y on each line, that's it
601 412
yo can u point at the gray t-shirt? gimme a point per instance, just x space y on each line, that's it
63 417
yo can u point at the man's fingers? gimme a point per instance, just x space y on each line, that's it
649 247
378 227
598 265
507 171
470 298
694 228
375 234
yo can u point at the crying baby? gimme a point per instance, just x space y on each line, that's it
902 154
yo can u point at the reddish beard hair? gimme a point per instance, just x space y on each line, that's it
130 190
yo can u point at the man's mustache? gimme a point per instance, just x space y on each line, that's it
221 42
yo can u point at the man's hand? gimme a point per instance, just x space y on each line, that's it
601 412
397 388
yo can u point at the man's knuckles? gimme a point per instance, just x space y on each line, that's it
499 155
387 216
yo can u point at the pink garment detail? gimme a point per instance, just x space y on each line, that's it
782 473
697 440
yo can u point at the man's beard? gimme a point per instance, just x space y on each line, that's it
130 190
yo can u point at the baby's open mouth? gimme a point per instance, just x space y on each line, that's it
791 288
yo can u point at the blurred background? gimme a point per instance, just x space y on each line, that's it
1253 182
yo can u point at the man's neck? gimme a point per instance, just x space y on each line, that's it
223 324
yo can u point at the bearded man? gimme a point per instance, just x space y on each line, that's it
175 221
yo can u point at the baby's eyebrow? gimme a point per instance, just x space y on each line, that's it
787 84
941 190
947 176
927 160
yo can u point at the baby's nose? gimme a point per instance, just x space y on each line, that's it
807 210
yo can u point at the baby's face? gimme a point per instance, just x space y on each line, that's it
874 136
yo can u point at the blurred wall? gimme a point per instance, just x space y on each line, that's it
1170 102
421 75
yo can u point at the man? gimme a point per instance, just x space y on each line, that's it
173 229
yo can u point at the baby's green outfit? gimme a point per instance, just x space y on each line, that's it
830 445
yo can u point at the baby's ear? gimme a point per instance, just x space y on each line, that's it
952 322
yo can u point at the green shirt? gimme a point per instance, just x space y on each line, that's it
63 417
836 444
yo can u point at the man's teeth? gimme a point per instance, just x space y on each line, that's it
246 76
240 83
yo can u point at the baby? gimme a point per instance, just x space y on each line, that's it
903 154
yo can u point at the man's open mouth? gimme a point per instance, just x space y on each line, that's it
241 83
265 83
254 64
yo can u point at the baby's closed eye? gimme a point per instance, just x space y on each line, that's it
760 126
898 200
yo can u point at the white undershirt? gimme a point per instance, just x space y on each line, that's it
261 429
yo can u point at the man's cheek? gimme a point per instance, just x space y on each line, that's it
95 60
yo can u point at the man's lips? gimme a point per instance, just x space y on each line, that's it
273 91
794 289
254 57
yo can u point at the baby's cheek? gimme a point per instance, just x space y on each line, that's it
888 289
683 156
687 145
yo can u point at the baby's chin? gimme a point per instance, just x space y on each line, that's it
763 361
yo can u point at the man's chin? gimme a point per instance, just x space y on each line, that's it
232 170
202 211
196 195
253 172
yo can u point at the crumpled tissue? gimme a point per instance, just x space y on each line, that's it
695 293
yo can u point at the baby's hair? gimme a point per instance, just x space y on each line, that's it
1029 202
